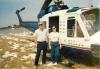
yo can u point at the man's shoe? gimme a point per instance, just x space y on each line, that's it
50 64
54 63
44 65
35 67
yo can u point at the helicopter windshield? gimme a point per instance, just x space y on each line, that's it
91 21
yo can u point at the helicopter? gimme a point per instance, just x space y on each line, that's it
31 25
79 28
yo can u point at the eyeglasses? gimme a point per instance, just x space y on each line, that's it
53 28
40 24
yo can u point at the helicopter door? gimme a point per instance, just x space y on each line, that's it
54 21
74 33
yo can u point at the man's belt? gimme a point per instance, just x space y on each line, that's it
41 41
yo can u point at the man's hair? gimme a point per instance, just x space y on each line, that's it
54 26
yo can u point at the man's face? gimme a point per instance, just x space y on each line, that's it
41 26
53 29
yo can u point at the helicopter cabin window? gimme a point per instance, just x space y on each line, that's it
70 26
73 28
79 32
44 24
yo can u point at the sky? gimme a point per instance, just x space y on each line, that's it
32 8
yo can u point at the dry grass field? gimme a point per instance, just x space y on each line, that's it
18 52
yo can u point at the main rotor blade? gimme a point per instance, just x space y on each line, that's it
46 4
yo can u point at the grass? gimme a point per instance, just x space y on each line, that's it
17 62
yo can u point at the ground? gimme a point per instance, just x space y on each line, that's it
17 51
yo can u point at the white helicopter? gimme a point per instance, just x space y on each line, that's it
78 27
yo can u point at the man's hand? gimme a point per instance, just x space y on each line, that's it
49 45
60 46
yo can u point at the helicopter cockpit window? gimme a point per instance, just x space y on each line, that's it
70 26
91 20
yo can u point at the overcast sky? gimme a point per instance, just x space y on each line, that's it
9 7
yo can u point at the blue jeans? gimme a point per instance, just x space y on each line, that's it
55 52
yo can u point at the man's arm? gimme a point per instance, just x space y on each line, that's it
35 37
36 40
59 40
49 41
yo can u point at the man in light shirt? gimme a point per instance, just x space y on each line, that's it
41 39
54 40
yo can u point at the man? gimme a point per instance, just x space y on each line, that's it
41 39
54 42
60 5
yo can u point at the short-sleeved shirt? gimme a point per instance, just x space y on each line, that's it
41 35
54 36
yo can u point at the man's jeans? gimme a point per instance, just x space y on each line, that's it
41 46
55 52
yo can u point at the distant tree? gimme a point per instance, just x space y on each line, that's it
9 26
15 25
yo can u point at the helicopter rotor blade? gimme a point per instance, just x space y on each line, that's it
22 9
46 4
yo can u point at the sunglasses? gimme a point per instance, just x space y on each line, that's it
53 28
40 24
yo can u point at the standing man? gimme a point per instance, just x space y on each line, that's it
41 38
54 42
